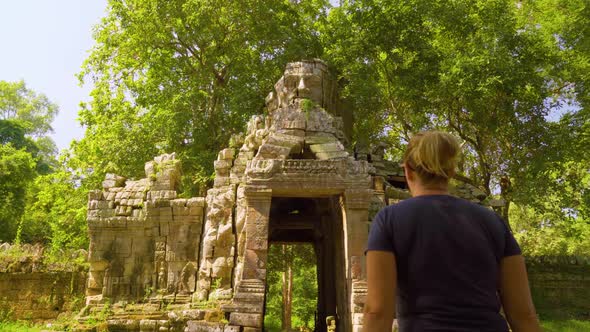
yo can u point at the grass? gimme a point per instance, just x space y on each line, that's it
18 327
571 325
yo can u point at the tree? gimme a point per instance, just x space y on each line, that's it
25 121
183 76
470 67
25 150
17 171
32 110
287 295
56 211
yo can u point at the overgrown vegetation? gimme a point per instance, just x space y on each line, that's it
27 258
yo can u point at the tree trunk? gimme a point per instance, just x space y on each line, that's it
505 193
287 288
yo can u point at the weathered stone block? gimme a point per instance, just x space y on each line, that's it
122 324
226 154
332 155
200 326
256 242
327 147
196 202
319 138
221 181
178 202
252 329
245 319
106 213
180 211
292 132
268 151
95 195
222 164
196 211
147 325
193 314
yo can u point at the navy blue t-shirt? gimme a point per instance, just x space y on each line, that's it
448 252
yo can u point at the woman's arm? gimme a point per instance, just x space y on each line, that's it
516 295
379 310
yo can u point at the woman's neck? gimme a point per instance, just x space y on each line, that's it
429 191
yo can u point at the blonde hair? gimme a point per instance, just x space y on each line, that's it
433 155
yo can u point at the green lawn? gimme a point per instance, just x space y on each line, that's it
566 326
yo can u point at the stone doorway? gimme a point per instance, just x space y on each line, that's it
316 221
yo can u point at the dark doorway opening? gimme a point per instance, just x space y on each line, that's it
299 227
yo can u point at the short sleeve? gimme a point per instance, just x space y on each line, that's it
511 247
381 233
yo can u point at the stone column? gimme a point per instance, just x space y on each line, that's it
248 302
355 203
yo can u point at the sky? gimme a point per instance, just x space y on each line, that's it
45 43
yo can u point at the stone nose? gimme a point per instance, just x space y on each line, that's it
302 90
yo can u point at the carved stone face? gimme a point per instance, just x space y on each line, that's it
302 80
303 84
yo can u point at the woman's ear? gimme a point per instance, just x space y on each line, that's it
408 172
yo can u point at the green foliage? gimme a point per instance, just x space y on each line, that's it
565 325
17 171
509 78
56 213
34 111
183 76
26 152
465 66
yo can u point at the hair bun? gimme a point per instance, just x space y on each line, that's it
433 155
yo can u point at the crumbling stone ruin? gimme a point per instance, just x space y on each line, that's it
199 264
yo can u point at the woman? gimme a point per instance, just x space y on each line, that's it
450 263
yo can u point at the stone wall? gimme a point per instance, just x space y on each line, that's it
143 239
560 286
40 295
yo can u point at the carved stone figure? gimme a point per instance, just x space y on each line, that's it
187 271
331 324
256 133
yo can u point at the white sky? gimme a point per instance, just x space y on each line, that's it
44 43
